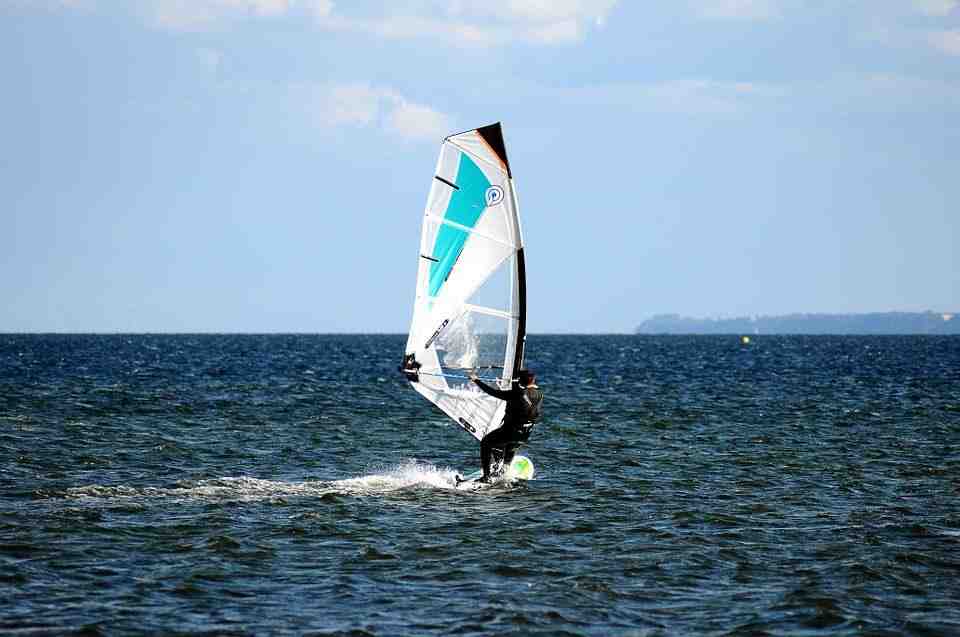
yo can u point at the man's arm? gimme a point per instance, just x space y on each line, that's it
487 389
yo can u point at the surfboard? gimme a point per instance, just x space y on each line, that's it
520 469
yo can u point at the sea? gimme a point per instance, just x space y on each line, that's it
297 485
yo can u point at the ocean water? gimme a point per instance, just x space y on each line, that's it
297 485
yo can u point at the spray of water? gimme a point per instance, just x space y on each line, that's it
411 474
460 344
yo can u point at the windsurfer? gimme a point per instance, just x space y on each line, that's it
524 400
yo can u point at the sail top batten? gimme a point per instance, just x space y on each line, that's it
489 139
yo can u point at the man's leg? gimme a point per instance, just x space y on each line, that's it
509 452
492 450
485 457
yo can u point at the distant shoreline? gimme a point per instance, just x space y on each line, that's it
876 323
531 335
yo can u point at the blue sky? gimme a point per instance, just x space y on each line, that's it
262 165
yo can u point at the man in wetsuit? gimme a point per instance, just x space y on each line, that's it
524 400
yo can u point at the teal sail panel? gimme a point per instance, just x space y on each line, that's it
465 207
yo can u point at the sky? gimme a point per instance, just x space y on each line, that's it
262 165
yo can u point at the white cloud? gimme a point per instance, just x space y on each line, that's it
468 23
457 32
49 4
363 106
356 104
472 23
738 9
708 96
898 26
413 27
703 98
200 14
691 97
415 121
319 8
936 7
945 41
556 32
541 12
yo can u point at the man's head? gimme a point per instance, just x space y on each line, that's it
526 377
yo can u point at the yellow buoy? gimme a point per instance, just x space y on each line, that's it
745 340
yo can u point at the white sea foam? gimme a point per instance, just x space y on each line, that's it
409 474
233 489
225 489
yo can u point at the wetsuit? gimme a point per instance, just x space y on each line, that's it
502 443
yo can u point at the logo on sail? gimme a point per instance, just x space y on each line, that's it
436 334
494 195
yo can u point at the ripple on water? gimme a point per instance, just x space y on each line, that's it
267 484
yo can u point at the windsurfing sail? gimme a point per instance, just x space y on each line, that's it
470 308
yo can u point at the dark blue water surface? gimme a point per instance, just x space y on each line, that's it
297 484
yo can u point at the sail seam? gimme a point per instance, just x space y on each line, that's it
468 230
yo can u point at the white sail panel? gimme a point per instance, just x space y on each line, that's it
470 306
